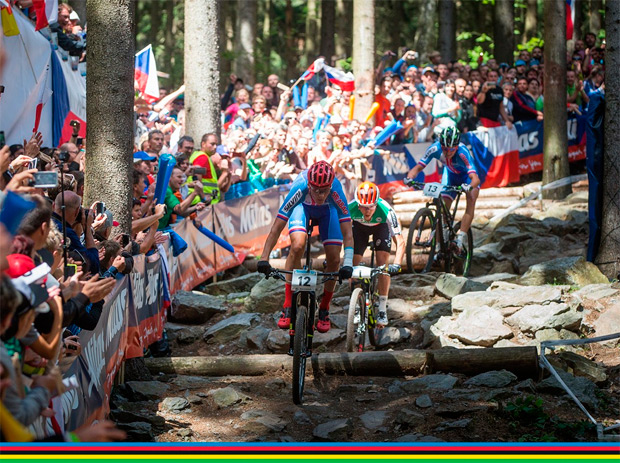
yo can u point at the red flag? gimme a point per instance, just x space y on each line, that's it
46 11
44 96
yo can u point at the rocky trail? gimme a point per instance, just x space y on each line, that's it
529 284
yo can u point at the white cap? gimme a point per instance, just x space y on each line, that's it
74 16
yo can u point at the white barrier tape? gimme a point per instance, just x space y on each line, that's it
565 342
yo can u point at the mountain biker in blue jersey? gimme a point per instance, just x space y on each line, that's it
459 169
315 194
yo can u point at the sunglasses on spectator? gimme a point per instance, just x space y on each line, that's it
143 115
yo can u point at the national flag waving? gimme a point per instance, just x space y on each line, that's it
44 96
9 25
345 80
46 11
145 75
570 18
315 67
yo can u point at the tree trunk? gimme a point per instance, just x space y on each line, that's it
531 19
447 29
289 47
363 56
503 31
522 361
80 8
555 144
155 21
312 30
343 28
227 35
609 251
109 107
202 73
328 23
245 39
426 24
267 33
578 24
596 22
169 34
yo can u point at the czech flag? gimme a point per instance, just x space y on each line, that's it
46 11
9 25
145 75
570 18
313 69
344 80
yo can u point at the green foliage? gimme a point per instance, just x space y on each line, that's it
528 412
484 45
345 64
533 42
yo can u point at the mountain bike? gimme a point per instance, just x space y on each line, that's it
364 303
433 230
304 283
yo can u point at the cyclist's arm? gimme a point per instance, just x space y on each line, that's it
400 249
347 234
413 173
272 238
396 233
475 180
433 152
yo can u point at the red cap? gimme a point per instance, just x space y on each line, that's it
19 264
115 223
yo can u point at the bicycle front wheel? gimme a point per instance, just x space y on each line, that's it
357 321
300 348
421 242
460 265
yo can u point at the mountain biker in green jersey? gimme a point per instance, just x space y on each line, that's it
371 215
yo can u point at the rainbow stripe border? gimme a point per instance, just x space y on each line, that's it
322 451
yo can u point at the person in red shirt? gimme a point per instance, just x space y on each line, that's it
384 104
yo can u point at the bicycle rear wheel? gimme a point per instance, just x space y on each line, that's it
461 265
356 329
300 345
421 242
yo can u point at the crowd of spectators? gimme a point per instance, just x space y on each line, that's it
52 287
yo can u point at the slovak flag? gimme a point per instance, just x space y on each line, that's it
570 18
46 11
145 75
313 69
44 95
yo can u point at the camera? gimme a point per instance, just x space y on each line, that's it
63 156
100 208
200 170
44 180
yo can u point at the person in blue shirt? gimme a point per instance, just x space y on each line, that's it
459 169
315 194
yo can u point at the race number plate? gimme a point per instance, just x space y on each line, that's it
303 280
432 190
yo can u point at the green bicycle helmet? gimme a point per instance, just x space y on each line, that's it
449 137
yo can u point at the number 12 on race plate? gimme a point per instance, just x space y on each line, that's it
303 280
432 189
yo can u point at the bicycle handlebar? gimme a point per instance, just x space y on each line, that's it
420 185
277 273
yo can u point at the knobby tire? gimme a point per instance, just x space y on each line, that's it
355 342
299 354
422 228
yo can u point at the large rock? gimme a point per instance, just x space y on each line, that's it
231 328
515 296
255 338
392 335
596 292
147 390
523 224
500 378
564 271
235 285
174 404
411 293
278 341
584 389
266 296
374 419
183 334
449 285
430 383
335 430
195 308
479 326
609 323
227 397
532 318
261 421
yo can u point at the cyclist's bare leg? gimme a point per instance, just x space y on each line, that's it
384 281
332 255
468 216
298 246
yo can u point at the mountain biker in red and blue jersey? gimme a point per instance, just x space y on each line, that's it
315 194
459 169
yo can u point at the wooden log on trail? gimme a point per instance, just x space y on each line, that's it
522 361
404 197
487 203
